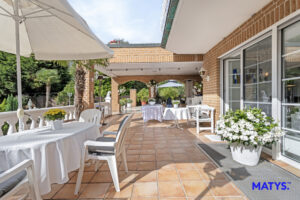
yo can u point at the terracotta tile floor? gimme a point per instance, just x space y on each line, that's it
163 163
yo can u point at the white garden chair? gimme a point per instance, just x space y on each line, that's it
106 149
91 116
18 177
201 114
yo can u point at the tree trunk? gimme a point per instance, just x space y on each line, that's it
79 90
48 88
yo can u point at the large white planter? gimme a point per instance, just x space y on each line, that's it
246 155
56 125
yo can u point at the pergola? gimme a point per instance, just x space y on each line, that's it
145 62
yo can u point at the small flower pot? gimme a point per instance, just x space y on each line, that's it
175 105
56 124
144 103
246 155
128 105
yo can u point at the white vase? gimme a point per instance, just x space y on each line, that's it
128 105
175 105
56 124
246 155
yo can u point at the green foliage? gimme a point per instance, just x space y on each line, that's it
47 76
63 98
29 67
11 103
176 102
128 100
3 106
172 93
143 95
132 85
123 101
105 87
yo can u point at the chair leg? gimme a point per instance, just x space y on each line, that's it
112 163
33 187
80 172
124 160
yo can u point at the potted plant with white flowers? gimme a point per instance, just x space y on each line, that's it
247 131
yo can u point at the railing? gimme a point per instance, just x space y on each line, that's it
32 119
107 108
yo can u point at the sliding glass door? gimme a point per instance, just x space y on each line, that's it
291 91
258 76
232 83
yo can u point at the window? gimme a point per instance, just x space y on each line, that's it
258 76
291 90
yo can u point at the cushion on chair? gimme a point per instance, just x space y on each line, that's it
106 139
101 150
9 184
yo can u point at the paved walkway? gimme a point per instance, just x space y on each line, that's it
164 163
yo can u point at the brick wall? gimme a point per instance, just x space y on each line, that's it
149 55
268 15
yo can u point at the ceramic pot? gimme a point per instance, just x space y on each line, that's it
56 124
246 155
175 105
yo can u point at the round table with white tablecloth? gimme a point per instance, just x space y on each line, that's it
54 153
176 114
153 112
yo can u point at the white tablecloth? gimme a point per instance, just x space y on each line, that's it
55 153
176 113
154 112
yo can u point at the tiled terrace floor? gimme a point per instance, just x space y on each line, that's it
163 163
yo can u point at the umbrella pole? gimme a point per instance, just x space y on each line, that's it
19 82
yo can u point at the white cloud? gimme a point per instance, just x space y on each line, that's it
111 19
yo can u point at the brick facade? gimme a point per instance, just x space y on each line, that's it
267 16
88 95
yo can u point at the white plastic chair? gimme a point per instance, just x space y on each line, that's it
109 150
202 113
14 179
91 116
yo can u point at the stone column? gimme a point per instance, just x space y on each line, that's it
133 97
88 94
115 96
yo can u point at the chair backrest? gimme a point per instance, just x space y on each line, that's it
120 139
91 116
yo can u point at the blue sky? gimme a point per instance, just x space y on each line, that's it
137 21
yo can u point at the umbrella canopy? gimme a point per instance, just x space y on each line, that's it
51 30
170 84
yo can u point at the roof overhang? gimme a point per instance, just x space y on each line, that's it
151 69
195 26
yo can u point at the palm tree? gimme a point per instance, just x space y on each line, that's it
47 77
81 67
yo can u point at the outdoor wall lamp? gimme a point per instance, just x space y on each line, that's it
204 74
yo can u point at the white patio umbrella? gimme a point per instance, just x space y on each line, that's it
170 84
50 29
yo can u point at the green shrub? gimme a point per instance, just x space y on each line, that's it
166 93
3 106
123 101
128 100
143 95
11 103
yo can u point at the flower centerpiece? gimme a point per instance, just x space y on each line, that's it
247 131
175 103
123 103
151 101
152 84
129 102
55 118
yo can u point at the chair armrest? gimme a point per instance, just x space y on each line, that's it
91 143
15 170
109 133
